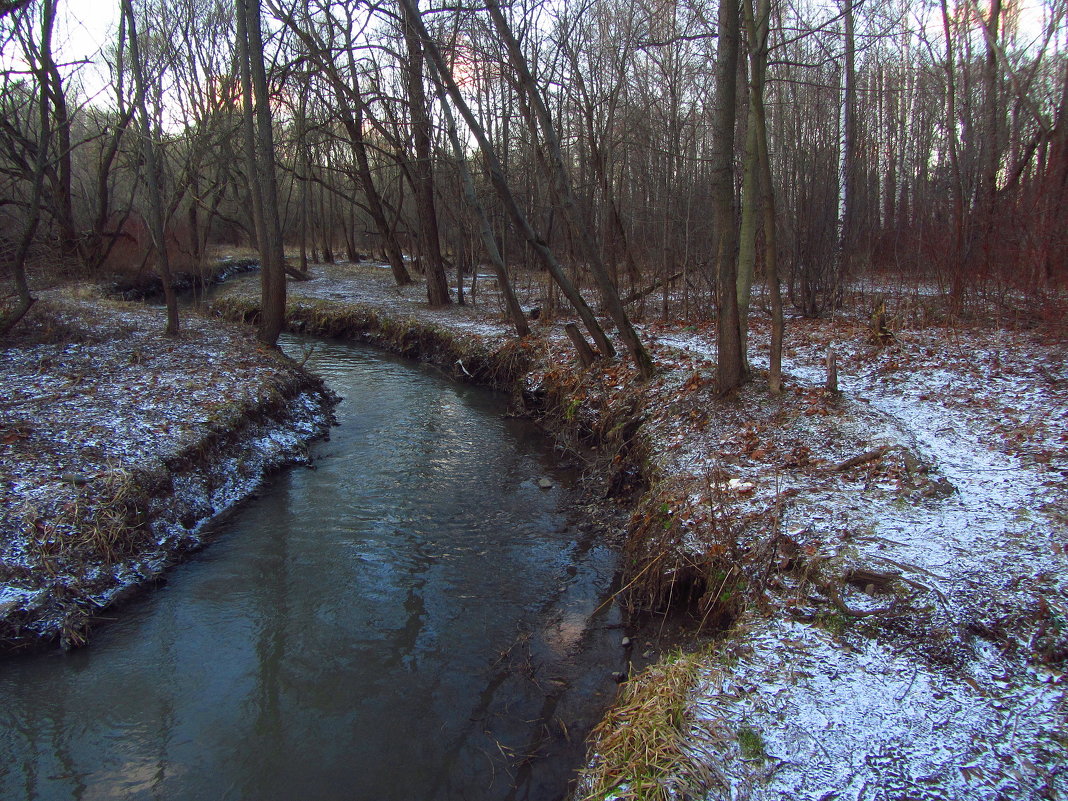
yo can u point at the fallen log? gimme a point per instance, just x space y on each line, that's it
864 458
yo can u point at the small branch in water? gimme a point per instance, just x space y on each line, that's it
308 353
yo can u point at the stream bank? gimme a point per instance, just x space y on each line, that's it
892 554
119 445
422 615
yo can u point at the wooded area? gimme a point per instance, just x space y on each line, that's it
669 156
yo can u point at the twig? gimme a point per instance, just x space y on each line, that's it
915 673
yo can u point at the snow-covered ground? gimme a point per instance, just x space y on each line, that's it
117 444
958 693
900 547
955 689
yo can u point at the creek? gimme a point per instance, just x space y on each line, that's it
414 618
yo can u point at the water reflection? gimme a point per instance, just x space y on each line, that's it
385 626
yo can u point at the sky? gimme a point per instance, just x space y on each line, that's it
85 26
82 29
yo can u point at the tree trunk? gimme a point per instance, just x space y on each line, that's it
959 220
153 176
750 225
729 370
437 285
847 160
352 119
991 142
62 177
760 183
254 79
304 160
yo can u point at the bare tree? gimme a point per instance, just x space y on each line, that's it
153 176
504 192
423 168
730 359
489 242
24 300
580 228
259 139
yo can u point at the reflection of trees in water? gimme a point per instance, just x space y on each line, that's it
268 747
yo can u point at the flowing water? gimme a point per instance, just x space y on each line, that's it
415 618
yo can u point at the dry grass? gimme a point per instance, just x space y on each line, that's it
99 524
640 745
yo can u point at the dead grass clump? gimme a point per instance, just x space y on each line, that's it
102 523
44 324
639 747
671 567
599 412
513 360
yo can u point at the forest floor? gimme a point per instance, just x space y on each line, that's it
878 576
883 569
118 444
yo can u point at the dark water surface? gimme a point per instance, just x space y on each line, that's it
409 620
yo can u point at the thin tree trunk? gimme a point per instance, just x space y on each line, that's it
153 177
352 119
248 130
437 285
757 27
957 183
729 372
992 137
254 79
580 228
1054 244
847 163
749 226
305 174
62 177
